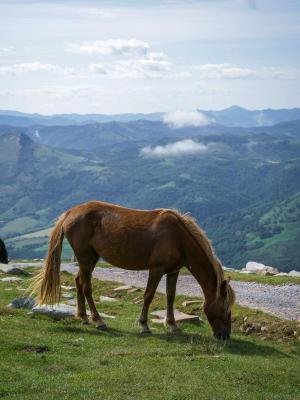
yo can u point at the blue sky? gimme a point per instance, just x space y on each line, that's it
146 56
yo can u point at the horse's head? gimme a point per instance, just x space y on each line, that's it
218 311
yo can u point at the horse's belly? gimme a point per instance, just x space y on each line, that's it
125 256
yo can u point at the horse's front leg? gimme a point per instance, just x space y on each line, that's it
153 281
171 291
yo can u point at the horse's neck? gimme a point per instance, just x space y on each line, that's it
201 268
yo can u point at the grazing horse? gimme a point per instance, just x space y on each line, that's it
160 240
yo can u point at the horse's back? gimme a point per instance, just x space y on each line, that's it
125 237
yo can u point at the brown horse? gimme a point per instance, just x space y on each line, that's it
160 240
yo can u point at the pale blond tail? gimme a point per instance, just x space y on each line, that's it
46 284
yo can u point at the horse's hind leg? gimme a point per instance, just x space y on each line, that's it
153 281
171 290
87 261
87 290
81 309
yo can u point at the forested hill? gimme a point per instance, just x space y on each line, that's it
230 179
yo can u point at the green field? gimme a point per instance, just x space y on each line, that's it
42 357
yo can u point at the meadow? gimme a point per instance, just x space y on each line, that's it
43 357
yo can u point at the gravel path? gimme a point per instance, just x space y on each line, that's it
282 300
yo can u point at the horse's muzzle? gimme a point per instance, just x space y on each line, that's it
222 335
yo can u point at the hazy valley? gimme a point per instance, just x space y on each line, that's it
241 183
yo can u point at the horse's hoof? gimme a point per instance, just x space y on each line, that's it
176 331
86 322
146 332
102 328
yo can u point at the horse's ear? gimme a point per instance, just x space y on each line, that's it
223 287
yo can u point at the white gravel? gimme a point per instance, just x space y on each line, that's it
280 300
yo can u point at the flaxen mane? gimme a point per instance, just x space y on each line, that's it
200 236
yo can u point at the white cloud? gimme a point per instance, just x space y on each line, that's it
180 119
22 68
232 71
17 69
103 13
111 47
152 65
98 69
182 147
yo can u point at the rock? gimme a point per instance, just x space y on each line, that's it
15 271
179 317
282 274
124 287
103 315
68 287
294 273
255 267
263 329
20 289
72 302
230 269
23 302
244 271
58 311
61 311
133 290
67 296
189 302
11 279
108 299
249 330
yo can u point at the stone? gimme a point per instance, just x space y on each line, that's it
179 317
124 287
103 315
134 289
23 302
60 311
244 271
67 296
230 269
294 273
282 274
15 271
11 279
255 267
108 299
73 288
190 302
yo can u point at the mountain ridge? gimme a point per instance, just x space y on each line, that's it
233 116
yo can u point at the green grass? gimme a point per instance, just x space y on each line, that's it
268 280
42 357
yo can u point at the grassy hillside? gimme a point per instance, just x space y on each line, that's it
268 233
63 359
236 172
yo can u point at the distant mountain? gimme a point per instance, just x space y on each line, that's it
16 118
239 116
95 136
234 116
236 172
